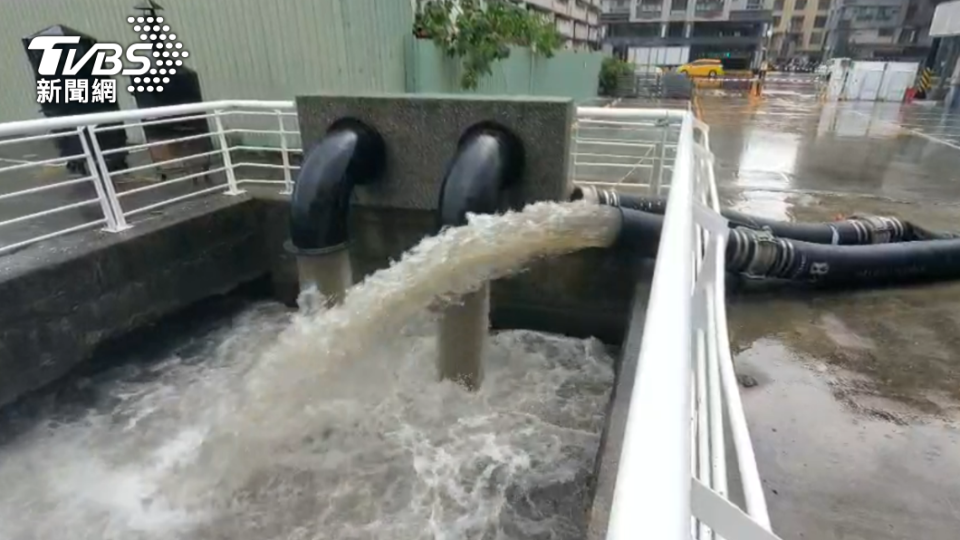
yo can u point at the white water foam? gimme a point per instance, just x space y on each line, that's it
331 424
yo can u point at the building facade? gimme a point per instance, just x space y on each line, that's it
677 31
880 29
578 21
799 29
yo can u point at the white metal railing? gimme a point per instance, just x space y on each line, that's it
108 185
673 464
100 184
624 152
672 480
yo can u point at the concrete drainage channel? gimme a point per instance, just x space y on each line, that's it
657 461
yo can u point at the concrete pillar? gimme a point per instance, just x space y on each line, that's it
463 337
687 29
328 270
953 95
663 30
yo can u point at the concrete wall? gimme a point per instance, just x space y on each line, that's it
583 294
66 297
421 133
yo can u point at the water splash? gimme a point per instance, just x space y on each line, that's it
330 424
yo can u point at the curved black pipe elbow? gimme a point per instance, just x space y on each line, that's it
488 159
351 153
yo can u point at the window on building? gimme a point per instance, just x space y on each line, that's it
823 5
887 14
708 5
885 32
864 13
776 21
678 5
754 4
800 5
648 6
644 30
778 5
820 21
816 39
796 24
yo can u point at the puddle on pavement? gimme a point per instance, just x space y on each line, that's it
904 344
833 468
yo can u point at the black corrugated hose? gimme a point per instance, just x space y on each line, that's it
854 231
758 254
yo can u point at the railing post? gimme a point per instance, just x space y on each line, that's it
285 155
103 182
232 187
657 171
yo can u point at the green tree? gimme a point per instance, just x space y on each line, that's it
480 33
610 72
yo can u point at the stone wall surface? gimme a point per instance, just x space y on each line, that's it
422 131
63 298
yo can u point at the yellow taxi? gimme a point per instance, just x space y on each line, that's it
705 67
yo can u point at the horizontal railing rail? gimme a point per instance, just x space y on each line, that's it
245 143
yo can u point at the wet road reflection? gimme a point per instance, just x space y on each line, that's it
856 405
804 145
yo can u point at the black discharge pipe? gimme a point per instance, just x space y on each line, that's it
758 254
854 231
351 153
488 159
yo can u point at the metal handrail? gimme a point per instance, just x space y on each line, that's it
652 494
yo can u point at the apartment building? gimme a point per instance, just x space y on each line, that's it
879 29
799 29
731 30
577 20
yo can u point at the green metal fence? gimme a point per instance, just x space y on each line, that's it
567 74
242 49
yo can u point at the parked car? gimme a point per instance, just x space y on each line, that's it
705 67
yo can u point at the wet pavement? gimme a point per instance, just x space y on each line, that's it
855 409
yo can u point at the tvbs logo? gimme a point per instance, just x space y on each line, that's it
150 64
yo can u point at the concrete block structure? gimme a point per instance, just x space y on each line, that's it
584 293
422 131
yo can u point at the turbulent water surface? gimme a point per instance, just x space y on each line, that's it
328 423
